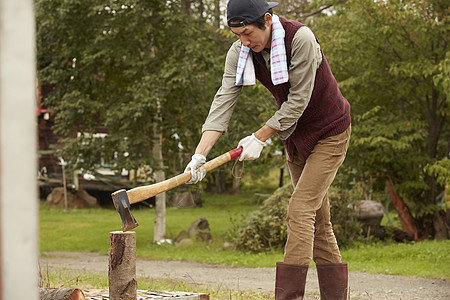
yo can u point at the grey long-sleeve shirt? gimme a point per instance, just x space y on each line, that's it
305 60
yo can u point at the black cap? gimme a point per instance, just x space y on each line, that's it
247 10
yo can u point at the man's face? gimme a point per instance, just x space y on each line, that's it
254 37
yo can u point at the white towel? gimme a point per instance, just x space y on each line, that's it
245 72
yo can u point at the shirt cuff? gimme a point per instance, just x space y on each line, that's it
214 127
283 134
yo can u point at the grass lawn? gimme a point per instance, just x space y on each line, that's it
427 259
88 231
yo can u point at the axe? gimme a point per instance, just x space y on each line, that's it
122 199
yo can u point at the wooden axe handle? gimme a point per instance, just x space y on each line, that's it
144 192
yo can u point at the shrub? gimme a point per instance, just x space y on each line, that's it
266 229
345 225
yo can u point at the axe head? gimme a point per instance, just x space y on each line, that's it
122 205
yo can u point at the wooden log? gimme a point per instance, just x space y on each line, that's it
60 294
122 265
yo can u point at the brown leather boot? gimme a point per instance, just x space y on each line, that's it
333 281
290 281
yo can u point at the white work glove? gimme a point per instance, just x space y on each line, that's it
252 147
197 173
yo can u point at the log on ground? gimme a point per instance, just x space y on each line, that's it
60 294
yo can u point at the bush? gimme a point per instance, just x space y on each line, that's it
345 225
266 229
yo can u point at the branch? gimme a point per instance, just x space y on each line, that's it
320 9
402 210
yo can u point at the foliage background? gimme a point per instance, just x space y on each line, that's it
146 69
391 60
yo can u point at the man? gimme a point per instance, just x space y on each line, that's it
312 120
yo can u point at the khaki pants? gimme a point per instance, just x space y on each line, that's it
309 230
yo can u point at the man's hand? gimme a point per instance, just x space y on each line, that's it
197 173
252 147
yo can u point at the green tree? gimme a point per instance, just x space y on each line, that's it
392 62
291 9
138 71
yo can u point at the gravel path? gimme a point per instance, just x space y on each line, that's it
362 285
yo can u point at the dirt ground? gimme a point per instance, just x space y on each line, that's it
362 285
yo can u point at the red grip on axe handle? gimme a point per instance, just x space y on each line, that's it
235 153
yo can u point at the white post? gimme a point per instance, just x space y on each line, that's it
18 158
63 164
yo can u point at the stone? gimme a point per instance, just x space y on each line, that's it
185 243
369 212
186 199
229 246
75 199
198 230
181 236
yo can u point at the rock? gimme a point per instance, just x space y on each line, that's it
185 243
198 230
181 236
88 199
229 246
369 212
186 199
79 199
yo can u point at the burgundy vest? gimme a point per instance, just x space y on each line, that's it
327 113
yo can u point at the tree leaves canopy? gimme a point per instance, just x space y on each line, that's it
391 60
112 64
